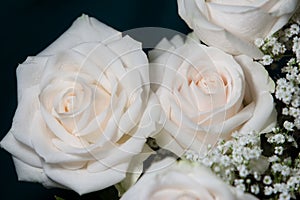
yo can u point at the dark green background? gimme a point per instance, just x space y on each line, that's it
29 26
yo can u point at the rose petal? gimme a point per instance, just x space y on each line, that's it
42 142
29 73
283 7
118 154
165 140
189 9
103 57
84 29
259 121
227 42
258 23
27 108
131 116
132 56
163 46
82 181
260 86
20 151
27 172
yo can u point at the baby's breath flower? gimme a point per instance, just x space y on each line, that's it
273 158
239 183
285 170
294 182
225 161
294 112
243 172
268 190
285 111
277 139
296 103
267 180
216 169
276 167
257 176
288 33
271 40
297 122
294 29
278 48
255 189
284 196
284 90
296 47
259 42
279 187
248 181
278 150
288 125
266 60
296 42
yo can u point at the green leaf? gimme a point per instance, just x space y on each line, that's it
58 198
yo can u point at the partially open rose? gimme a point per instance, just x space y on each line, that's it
206 94
82 109
233 25
182 181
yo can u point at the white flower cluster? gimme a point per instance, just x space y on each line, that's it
263 170
271 47
288 91
280 48
293 34
234 161
283 41
282 179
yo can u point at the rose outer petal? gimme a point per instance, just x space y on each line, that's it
84 29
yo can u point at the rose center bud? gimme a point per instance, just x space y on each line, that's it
69 102
209 90
70 106
209 85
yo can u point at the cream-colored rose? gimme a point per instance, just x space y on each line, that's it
233 25
179 181
83 109
206 94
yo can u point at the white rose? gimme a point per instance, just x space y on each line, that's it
206 94
180 181
233 25
80 118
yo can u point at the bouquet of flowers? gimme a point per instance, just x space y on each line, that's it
214 114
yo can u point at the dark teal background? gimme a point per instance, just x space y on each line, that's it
29 26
